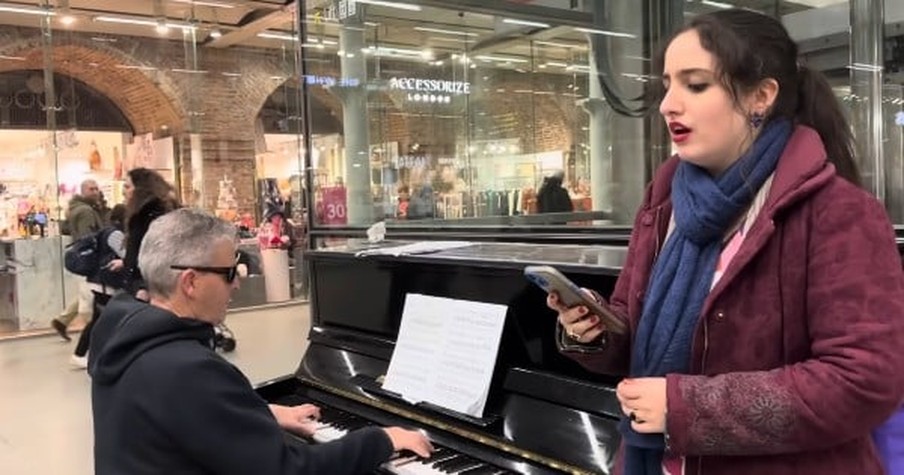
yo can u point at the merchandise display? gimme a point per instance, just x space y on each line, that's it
227 205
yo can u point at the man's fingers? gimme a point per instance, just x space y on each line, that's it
425 448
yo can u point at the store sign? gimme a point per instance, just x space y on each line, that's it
330 81
342 9
411 161
433 91
335 205
451 161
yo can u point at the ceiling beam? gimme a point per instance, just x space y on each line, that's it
243 33
522 11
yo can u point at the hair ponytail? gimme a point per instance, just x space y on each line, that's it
818 108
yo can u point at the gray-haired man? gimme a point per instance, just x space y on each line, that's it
165 402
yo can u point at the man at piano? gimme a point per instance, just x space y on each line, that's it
165 402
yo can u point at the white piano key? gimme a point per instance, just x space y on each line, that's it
325 433
412 468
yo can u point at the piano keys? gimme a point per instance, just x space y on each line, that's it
544 413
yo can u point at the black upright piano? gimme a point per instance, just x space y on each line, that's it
544 413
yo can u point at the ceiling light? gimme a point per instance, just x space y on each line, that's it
278 36
12 58
400 6
514 21
385 50
445 32
138 21
717 4
556 45
162 28
27 11
503 59
594 31
313 39
206 3
63 7
216 33
446 39
556 64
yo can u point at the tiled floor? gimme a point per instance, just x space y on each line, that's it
45 405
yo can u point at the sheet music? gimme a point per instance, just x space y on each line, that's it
446 352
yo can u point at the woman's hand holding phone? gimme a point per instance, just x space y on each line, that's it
579 324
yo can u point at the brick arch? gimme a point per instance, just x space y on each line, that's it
147 103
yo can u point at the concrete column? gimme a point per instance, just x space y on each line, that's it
601 180
618 144
355 121
867 62
50 107
893 152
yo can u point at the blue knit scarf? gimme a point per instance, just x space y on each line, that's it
704 208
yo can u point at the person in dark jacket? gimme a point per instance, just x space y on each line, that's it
83 218
164 402
148 196
762 289
108 281
552 198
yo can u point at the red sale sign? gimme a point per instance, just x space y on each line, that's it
334 207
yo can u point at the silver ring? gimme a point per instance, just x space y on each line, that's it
574 336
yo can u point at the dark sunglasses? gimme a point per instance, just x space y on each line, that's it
229 273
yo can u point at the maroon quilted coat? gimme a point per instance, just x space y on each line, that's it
799 352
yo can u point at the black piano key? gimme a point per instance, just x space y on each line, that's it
465 463
482 469
437 456
444 465
436 461
438 453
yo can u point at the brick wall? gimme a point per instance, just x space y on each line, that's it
147 79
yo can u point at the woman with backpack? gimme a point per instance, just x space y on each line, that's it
107 281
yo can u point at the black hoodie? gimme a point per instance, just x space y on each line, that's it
165 402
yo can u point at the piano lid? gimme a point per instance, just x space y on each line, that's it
595 259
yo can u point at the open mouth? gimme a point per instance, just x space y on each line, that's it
679 132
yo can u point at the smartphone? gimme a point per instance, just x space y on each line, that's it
551 280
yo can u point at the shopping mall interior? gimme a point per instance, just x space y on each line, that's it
441 119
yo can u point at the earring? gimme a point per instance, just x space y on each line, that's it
756 119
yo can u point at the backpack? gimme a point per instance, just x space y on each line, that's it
89 256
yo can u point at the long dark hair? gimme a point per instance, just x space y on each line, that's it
750 47
148 185
118 217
